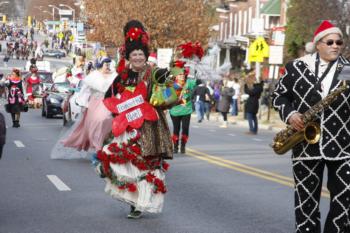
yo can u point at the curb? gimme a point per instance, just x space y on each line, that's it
217 119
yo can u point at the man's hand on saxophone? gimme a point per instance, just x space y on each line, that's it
296 121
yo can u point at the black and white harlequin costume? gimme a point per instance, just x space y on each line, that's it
297 91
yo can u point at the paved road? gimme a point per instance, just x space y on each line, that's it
227 182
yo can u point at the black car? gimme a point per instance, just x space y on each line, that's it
54 53
53 98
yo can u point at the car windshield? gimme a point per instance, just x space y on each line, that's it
60 87
45 77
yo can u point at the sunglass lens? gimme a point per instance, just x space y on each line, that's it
339 42
329 42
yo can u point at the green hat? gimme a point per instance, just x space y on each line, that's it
175 71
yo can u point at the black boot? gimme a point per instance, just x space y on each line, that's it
17 124
14 124
176 147
134 213
183 148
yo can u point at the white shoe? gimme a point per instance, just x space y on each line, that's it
224 124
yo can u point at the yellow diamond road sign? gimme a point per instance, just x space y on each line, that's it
258 50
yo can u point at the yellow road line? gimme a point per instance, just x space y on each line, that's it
284 180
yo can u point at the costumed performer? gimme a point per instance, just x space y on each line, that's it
181 113
96 120
16 97
132 161
76 73
33 87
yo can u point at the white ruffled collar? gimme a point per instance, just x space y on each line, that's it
97 81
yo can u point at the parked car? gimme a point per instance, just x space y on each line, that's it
54 53
71 110
53 98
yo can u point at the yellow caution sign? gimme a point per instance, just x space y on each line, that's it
60 35
258 50
29 21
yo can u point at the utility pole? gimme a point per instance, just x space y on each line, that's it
257 64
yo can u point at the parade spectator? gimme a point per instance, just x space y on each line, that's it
209 101
224 102
308 80
254 90
199 96
236 97
216 95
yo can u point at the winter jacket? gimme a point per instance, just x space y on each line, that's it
199 93
252 104
225 99
296 92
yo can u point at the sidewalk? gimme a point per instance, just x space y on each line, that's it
274 123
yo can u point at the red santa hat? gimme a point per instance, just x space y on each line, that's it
152 58
323 30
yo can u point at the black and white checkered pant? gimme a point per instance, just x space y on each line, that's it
308 177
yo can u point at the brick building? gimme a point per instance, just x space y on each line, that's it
237 26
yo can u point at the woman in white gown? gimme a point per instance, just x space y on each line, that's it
95 123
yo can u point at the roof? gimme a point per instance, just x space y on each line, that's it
272 7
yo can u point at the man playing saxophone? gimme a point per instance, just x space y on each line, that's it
307 81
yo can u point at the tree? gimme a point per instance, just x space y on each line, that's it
169 22
304 16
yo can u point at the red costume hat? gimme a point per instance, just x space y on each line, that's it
323 30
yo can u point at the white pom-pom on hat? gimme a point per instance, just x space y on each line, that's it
310 47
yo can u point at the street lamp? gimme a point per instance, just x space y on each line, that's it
53 16
53 11
4 2
38 7
71 8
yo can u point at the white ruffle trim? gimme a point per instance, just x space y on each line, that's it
144 199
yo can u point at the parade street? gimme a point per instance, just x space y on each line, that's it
227 182
163 116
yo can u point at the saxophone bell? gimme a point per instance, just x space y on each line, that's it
312 132
287 139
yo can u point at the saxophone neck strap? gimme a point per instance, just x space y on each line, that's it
317 65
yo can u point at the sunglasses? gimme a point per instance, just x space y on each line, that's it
331 42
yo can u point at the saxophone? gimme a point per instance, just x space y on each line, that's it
286 139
